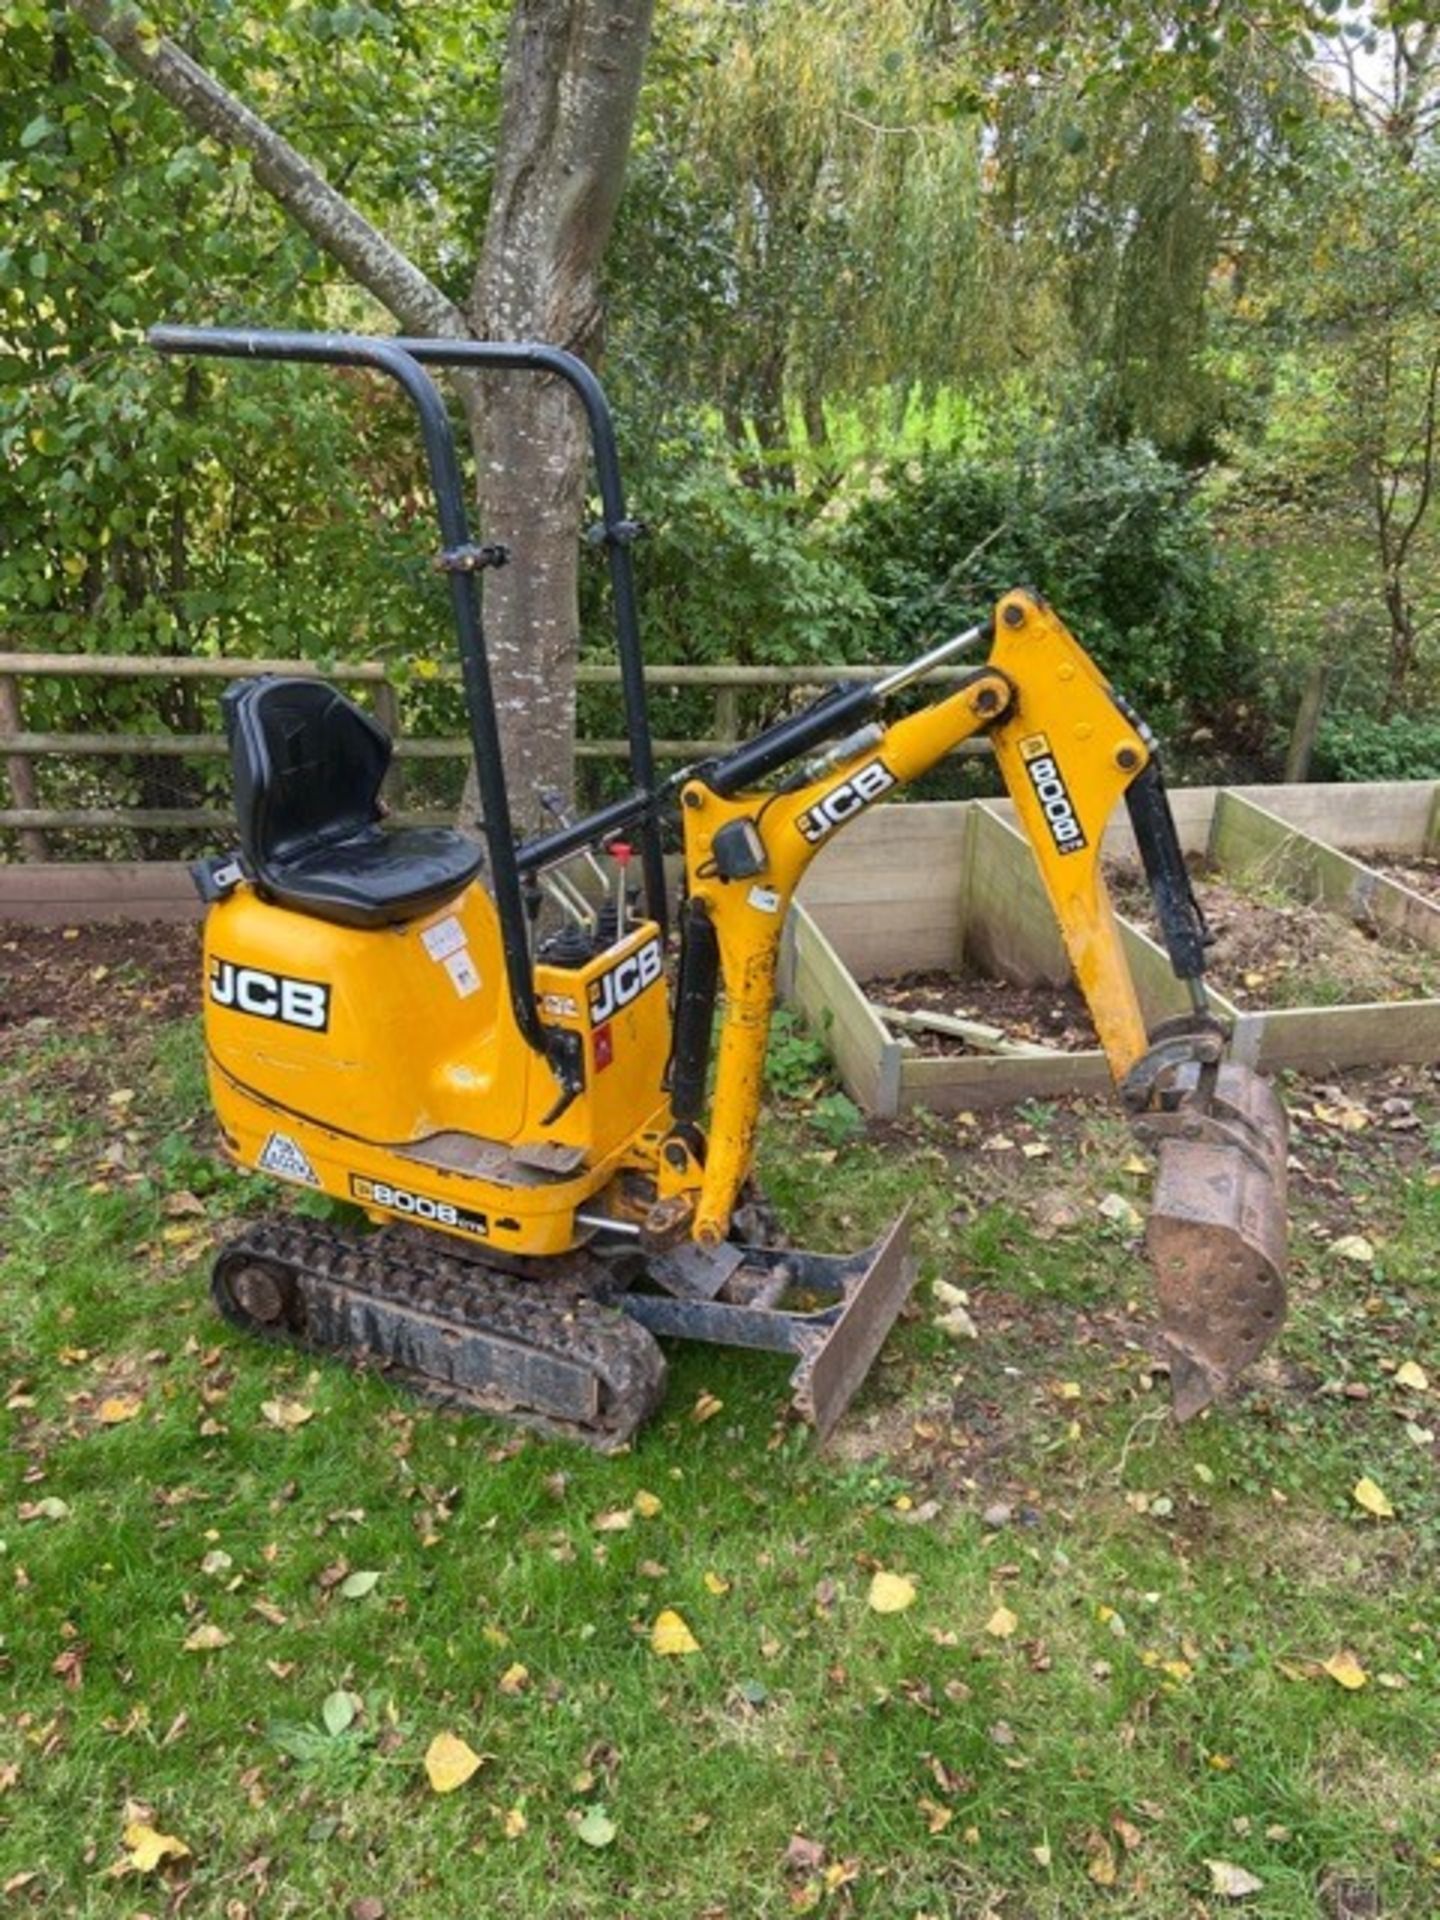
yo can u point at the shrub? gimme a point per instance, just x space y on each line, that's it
1112 535
1357 746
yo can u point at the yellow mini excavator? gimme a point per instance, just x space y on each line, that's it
488 1050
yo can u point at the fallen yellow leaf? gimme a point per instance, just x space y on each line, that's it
1353 1246
647 1505
670 1635
1410 1374
1101 1864
617 1520
286 1413
715 1584
937 1818
1346 1670
890 1593
149 1848
515 1679
706 1407
1235 1883
1367 1495
515 1823
118 1408
207 1639
1001 1624
450 1762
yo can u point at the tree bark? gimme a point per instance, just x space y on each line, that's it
572 80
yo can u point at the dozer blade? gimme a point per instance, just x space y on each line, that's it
832 1311
1217 1237
827 1381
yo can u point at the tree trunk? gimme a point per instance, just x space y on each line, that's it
572 79
1404 644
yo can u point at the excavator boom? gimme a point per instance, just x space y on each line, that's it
1069 750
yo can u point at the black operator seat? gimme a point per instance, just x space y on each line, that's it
307 766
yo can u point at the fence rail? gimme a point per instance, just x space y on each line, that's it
22 748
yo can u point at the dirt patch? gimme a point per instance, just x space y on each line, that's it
1036 1016
1274 950
86 976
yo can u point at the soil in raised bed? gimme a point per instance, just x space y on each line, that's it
1420 872
1037 1016
1273 949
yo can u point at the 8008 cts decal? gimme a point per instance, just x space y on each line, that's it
418 1206
1052 793
270 996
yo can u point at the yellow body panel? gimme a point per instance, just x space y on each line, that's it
407 1088
416 1095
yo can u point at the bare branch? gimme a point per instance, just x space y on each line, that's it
327 216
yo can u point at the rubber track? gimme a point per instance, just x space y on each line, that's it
565 1315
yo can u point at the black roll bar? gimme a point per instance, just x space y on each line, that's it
355 350
617 532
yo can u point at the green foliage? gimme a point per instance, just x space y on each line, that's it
155 507
1357 746
795 1059
1112 534
837 1120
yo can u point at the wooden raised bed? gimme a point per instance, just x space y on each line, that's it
953 887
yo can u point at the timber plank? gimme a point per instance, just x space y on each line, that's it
828 997
1251 839
1329 1039
64 893
951 1085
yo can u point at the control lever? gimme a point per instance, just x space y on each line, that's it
560 814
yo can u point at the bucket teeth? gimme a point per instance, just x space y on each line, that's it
1217 1237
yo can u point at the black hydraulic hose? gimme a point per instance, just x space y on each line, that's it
833 713
694 1011
387 356
1181 921
617 532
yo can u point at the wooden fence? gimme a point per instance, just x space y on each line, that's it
21 749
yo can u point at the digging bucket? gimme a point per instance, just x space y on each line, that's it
1216 1234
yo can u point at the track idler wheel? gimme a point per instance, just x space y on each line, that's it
1217 1233
258 1296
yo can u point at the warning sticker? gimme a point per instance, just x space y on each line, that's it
463 975
286 1161
447 936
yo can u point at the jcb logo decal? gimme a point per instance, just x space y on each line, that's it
270 996
625 981
849 798
1052 793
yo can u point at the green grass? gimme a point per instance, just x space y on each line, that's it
1174 1590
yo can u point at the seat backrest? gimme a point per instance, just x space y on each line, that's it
307 766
